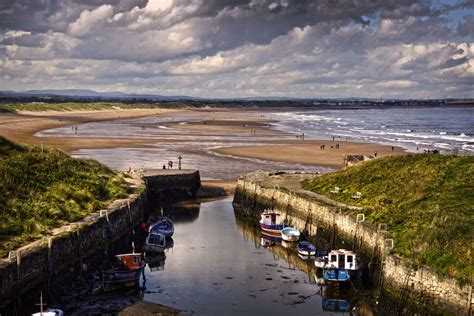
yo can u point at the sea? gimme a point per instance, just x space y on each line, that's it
447 129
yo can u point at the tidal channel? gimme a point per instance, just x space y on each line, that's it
220 265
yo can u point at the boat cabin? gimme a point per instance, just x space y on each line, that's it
132 261
343 259
271 218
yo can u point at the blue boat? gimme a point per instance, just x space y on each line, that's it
306 249
164 226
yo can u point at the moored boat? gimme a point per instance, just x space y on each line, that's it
155 242
306 249
270 222
339 265
126 274
49 311
164 226
290 234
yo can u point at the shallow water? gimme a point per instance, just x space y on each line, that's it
220 266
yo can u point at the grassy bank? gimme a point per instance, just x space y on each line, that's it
426 200
72 106
41 190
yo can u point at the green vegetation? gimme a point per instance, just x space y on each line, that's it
73 106
43 190
426 200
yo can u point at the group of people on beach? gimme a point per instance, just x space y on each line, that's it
170 165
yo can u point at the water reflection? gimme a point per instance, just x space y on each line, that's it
221 264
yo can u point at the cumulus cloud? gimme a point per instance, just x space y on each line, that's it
90 20
219 48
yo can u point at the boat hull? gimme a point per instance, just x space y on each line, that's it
290 234
336 275
117 279
273 229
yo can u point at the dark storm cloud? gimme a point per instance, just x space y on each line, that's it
45 15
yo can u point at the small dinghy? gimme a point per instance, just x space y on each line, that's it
290 234
270 222
48 311
164 226
306 249
155 242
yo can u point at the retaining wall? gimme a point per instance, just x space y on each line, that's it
62 258
307 214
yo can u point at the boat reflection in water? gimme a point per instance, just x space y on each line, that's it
156 260
337 300
269 240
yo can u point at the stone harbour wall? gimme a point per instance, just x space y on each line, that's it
58 260
398 274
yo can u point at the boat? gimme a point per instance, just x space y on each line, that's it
306 249
339 266
270 222
48 311
155 242
290 234
164 226
125 274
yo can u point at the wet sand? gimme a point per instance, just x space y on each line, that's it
310 152
23 126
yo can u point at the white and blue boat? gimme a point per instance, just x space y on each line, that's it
270 222
306 249
290 234
339 266
155 242
163 226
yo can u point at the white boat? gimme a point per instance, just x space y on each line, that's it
50 312
155 242
338 266
341 259
270 221
290 234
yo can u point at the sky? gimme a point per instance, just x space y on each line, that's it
241 48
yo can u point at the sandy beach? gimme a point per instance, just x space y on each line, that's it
246 125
